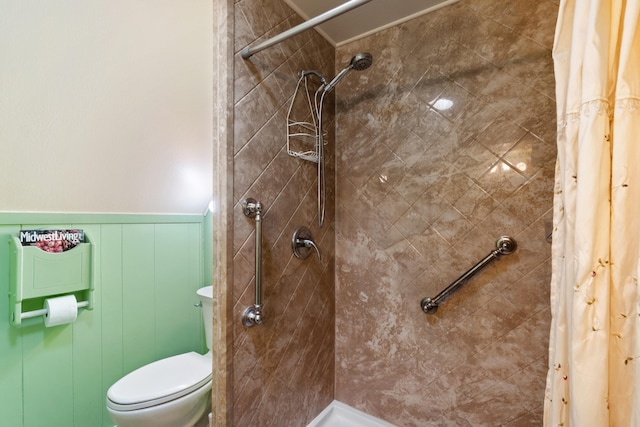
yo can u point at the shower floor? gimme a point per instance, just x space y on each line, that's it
337 414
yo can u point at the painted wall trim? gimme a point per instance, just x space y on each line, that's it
90 218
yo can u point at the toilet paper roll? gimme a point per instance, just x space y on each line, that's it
60 310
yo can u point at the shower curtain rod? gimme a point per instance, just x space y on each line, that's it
247 52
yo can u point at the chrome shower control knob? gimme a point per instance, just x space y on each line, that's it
302 242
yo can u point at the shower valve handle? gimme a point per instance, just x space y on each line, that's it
302 242
308 244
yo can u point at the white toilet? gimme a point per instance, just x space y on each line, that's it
172 392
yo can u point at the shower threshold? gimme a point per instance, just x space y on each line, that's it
337 414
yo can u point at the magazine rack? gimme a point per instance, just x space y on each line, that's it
35 273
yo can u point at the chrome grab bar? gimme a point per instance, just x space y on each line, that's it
252 315
504 246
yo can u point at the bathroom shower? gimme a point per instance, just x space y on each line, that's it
307 132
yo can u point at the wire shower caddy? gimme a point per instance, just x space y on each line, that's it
305 136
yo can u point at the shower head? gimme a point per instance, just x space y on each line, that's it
361 61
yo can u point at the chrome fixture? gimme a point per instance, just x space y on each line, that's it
252 315
305 73
248 52
302 242
360 62
504 246
302 133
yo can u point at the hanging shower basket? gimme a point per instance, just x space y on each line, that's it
305 136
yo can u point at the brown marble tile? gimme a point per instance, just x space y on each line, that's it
430 85
243 33
286 186
481 138
411 148
476 117
475 204
430 209
448 183
411 223
244 269
448 20
452 225
501 136
501 180
532 418
412 186
495 407
541 24
417 202
391 171
539 123
502 90
474 74
393 206
248 165
531 201
251 113
531 154
451 101
497 363
476 244
427 123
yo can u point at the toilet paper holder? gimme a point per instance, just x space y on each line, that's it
44 311
35 275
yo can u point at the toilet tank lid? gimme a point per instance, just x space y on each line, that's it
164 380
206 292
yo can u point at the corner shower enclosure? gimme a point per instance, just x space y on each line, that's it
415 194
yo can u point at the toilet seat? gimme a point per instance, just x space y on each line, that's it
160 382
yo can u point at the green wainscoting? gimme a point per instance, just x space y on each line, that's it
148 268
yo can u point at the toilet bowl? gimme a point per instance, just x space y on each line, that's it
172 392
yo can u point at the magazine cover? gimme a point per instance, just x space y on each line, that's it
51 240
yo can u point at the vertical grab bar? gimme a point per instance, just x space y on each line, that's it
252 315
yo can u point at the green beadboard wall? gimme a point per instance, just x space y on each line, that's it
148 268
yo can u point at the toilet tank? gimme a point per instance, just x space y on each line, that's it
206 298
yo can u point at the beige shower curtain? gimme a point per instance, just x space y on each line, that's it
594 354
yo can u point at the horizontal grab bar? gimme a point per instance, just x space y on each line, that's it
504 246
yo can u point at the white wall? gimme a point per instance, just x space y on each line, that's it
106 106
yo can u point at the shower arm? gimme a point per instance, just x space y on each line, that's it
305 73
248 52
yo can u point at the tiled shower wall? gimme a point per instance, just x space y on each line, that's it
284 369
446 143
